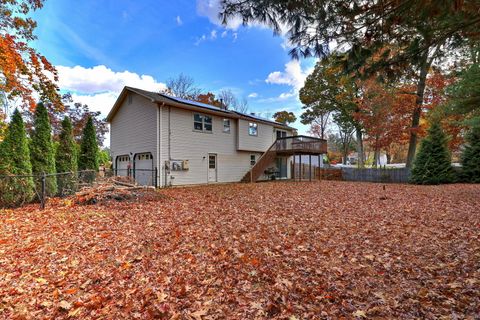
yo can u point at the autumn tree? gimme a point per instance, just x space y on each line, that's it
284 117
385 114
209 98
433 162
24 71
88 157
330 91
15 160
471 156
407 36
42 150
66 158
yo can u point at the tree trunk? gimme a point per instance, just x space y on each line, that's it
361 155
412 146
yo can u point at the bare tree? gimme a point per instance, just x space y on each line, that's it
182 86
230 101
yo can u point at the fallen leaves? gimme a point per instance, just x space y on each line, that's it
248 251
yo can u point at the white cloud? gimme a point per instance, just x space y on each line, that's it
293 75
179 21
224 33
200 40
253 95
213 34
211 10
101 79
235 36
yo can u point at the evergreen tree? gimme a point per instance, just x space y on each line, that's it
66 158
15 160
88 158
433 162
42 150
471 156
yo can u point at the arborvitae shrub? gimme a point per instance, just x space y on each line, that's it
15 160
88 157
42 150
66 159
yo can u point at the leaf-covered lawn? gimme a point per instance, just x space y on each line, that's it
249 251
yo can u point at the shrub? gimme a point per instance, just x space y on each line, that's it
471 157
88 159
15 160
432 164
42 151
66 159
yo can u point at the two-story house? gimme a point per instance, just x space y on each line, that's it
165 141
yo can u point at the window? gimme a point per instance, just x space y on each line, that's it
226 125
253 129
253 160
212 161
202 122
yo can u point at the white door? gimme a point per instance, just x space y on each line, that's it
212 167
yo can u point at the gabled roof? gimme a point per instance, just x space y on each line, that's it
156 97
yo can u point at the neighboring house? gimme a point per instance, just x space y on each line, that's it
166 141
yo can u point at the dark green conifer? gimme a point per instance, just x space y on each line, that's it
471 156
66 159
88 158
432 164
42 150
15 160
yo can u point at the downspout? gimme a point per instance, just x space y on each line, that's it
159 141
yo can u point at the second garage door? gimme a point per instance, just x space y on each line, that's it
143 168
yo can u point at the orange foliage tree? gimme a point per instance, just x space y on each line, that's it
23 70
435 98
385 114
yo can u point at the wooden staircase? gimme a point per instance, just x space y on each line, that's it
285 146
259 168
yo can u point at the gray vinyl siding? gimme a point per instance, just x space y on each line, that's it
133 128
261 142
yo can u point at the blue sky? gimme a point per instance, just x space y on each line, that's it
100 46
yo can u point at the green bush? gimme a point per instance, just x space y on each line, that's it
471 157
432 164
42 150
88 158
66 159
15 160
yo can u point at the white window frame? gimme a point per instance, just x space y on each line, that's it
253 125
203 123
227 128
253 160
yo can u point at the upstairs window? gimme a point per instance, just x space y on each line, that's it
226 125
202 122
253 129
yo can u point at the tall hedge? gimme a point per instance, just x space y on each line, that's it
88 158
432 164
42 150
66 159
15 160
471 156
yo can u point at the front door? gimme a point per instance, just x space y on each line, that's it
212 167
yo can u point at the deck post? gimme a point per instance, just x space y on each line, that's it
293 174
319 168
310 167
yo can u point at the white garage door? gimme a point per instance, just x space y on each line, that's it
122 165
144 173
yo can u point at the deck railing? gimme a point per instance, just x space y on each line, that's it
300 145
